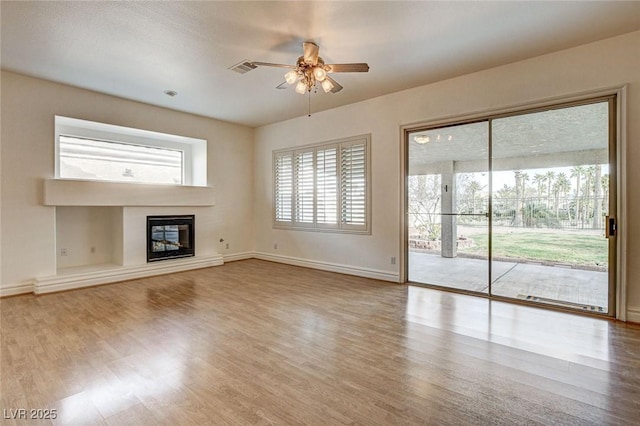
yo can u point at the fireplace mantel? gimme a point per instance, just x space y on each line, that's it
117 251
68 192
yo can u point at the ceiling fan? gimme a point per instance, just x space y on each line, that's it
310 69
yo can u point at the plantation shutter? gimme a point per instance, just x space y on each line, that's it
327 186
323 187
353 185
304 187
283 170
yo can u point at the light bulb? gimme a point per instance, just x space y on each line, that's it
301 87
327 86
421 139
291 76
319 73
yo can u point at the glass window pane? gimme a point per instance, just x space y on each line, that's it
119 162
448 191
550 198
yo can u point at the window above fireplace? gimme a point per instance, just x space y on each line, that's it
87 150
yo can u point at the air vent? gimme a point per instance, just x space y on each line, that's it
243 67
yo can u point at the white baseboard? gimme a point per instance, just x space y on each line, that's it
111 275
332 267
633 314
71 280
18 288
238 256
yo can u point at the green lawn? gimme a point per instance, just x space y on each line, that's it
573 249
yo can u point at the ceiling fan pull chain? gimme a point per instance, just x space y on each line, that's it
309 104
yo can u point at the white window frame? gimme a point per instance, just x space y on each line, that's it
339 145
194 167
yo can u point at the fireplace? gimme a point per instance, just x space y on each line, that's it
169 237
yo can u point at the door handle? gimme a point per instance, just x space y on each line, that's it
464 214
612 227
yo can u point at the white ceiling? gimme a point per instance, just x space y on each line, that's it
136 50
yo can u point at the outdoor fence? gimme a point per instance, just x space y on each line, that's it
529 212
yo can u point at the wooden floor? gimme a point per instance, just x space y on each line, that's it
254 342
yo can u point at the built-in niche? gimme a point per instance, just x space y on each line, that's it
88 236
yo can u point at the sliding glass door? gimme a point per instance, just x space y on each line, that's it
448 188
551 197
517 206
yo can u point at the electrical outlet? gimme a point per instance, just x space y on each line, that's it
275 246
63 252
393 260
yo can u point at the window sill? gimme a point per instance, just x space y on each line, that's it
69 192
329 230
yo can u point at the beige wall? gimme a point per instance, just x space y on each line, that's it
28 237
611 62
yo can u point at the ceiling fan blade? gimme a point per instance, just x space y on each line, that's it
310 53
269 64
336 86
283 85
360 67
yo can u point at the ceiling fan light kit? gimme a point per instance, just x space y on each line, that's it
319 73
308 73
327 86
291 77
301 87
310 70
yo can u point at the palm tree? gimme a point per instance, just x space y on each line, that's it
564 184
550 175
518 215
539 179
561 188
524 178
597 193
604 181
577 172
587 191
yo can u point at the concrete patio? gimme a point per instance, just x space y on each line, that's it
564 286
